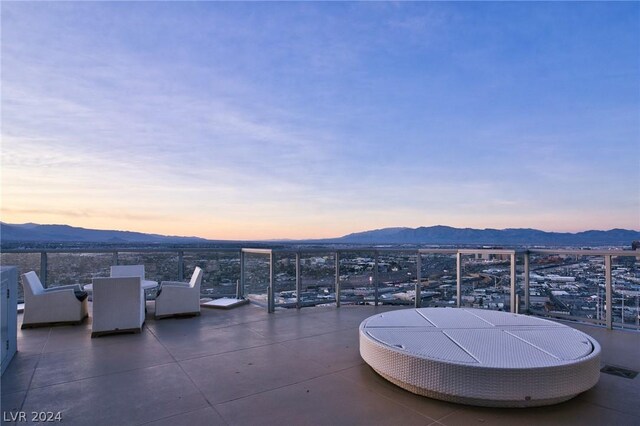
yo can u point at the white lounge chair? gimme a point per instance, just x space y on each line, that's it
118 305
178 298
47 306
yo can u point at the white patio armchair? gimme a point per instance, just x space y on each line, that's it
119 271
118 305
178 298
48 306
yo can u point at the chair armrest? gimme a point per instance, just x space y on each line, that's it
60 296
72 287
175 284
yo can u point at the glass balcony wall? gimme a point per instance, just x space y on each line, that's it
221 271
256 277
24 262
438 277
357 286
625 277
317 278
568 285
486 281
397 277
284 280
77 268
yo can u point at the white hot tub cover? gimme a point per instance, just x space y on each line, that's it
480 357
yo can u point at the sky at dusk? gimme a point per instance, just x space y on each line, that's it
308 120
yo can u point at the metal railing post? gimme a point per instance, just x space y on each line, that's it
298 281
43 268
418 301
240 288
337 254
608 304
270 290
458 279
180 265
526 281
114 259
376 281
513 300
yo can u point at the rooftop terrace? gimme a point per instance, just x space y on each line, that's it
245 366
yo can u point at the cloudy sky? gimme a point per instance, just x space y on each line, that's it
292 120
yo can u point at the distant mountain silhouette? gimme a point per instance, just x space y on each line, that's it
446 235
433 235
31 232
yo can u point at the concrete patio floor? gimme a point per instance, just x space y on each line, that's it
247 367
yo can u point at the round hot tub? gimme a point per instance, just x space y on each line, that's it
480 357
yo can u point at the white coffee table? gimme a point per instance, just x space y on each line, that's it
146 285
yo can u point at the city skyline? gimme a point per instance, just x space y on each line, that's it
315 120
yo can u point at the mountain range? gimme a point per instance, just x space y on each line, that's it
32 232
446 235
432 235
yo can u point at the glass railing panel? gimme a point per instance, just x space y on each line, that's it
256 284
357 285
221 272
538 298
397 277
317 279
438 280
285 280
565 284
158 266
486 281
625 279
77 268
24 262
568 286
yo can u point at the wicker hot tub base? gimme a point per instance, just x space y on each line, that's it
480 357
